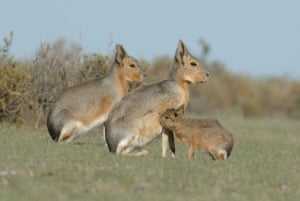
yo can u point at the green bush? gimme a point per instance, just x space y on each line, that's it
15 84
15 89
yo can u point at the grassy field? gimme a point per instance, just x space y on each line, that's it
264 165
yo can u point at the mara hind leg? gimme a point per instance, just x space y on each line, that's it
67 133
168 142
73 130
70 133
128 146
141 152
60 125
75 127
218 154
222 154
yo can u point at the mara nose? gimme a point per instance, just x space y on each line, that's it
145 75
207 74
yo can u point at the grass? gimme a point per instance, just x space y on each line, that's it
264 165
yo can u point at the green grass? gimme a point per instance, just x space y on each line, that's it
264 165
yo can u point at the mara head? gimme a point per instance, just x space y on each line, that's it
128 66
172 116
187 67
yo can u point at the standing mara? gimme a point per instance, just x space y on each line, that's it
134 121
84 106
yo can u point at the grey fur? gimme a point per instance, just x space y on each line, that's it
134 121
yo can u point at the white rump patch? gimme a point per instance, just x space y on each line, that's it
222 152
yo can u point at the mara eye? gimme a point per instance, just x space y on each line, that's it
132 65
193 63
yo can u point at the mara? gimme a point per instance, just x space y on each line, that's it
135 120
207 135
84 106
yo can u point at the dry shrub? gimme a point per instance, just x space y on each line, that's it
160 69
94 66
4 49
215 93
54 68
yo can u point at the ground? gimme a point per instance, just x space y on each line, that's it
264 165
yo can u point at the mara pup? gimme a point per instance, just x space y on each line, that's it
134 121
207 135
84 106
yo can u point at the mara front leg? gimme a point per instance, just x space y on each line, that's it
168 142
191 151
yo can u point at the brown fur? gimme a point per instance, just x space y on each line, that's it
207 135
86 105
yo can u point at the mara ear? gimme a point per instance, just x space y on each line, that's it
180 110
180 52
120 54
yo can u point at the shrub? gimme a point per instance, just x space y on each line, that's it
54 68
94 66
4 49
15 90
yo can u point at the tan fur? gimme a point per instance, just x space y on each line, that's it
207 135
103 107
86 105
122 85
134 121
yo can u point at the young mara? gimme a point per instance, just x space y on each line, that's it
207 135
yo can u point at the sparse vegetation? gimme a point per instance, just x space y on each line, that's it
58 65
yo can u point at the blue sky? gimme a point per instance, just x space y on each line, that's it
257 37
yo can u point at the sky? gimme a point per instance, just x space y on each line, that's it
258 37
